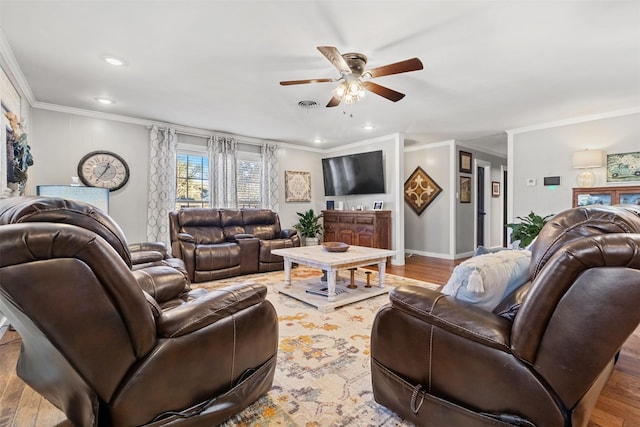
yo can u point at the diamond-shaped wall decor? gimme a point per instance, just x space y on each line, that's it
420 190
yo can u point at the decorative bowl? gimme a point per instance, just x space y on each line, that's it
335 246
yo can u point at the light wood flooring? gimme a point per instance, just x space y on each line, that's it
618 405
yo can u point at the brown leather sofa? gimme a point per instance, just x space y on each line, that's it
107 353
541 357
158 273
219 243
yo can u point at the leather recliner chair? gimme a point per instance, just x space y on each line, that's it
541 357
161 275
105 352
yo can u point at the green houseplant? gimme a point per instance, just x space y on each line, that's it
528 228
309 226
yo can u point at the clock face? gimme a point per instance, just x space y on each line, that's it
103 169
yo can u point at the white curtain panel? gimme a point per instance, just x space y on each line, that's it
223 158
162 184
270 177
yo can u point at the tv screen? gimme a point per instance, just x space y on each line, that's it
361 173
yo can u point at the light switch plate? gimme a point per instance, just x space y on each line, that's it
531 182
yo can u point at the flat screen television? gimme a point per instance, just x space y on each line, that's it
361 173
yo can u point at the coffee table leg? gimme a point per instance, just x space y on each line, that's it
331 284
381 269
287 273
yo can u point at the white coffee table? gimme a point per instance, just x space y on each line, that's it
331 262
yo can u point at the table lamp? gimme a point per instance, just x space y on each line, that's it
586 160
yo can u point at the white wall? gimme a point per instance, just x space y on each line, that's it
546 150
430 233
60 141
292 159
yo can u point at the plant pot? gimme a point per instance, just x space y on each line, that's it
311 241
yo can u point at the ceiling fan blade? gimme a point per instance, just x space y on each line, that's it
385 92
300 82
334 102
334 56
405 66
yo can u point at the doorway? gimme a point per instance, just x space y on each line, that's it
482 212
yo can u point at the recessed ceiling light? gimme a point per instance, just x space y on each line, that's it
105 101
317 140
368 127
113 60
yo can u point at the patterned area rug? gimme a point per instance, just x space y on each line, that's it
323 371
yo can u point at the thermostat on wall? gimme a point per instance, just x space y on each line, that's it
551 180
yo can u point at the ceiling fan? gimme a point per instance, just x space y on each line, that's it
355 79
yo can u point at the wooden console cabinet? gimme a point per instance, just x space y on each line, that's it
360 228
606 195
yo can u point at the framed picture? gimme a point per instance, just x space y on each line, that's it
420 190
465 189
495 189
297 186
331 205
377 206
465 162
623 167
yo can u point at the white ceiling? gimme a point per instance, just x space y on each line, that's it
489 66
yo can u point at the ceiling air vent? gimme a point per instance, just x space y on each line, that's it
307 104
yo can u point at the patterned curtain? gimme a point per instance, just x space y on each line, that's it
162 184
223 158
270 177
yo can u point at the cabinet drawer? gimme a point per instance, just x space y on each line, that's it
347 219
365 220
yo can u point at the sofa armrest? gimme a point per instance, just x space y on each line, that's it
457 317
186 237
288 233
148 247
208 309
240 236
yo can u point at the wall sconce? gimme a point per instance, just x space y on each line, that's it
586 160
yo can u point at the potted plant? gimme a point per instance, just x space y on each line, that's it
528 228
309 227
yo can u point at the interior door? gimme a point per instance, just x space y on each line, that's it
480 207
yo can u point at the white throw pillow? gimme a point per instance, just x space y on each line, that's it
485 279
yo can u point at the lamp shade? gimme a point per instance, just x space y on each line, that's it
586 159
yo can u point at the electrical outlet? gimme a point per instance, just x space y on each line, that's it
531 182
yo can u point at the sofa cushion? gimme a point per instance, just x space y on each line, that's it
485 279
216 257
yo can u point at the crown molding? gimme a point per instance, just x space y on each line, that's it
575 120
429 145
13 70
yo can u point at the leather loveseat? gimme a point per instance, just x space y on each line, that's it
541 357
219 243
106 352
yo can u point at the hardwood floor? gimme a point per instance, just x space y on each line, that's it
618 405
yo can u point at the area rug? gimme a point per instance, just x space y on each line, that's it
323 375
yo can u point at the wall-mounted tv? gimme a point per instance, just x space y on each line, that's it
361 173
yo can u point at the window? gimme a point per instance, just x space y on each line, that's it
249 180
192 180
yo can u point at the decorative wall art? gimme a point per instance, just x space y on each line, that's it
623 167
465 162
420 190
297 186
465 189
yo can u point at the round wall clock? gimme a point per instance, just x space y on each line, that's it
103 169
